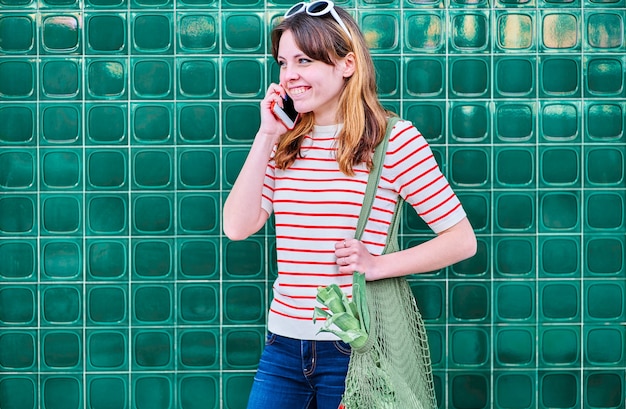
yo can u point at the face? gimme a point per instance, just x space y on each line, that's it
313 85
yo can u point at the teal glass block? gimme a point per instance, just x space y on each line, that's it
152 391
106 79
61 124
469 77
605 166
243 78
17 350
515 77
560 31
15 3
18 258
61 259
605 77
233 161
605 30
152 124
243 32
197 123
107 169
17 170
61 305
470 167
236 389
425 32
152 33
198 349
243 259
559 167
197 32
152 258
559 345
478 209
107 259
61 215
195 3
387 76
152 169
604 211
559 301
515 390
559 389
17 79
469 122
17 214
19 305
198 214
60 34
470 31
198 304
515 211
559 77
424 77
59 3
17 123
152 214
514 301
603 389
106 124
198 169
241 122
18 34
514 167
429 119
243 303
242 348
604 121
61 78
61 392
515 30
514 257
381 31
61 350
197 78
436 345
107 214
515 347
469 302
559 256
108 391
605 301
107 350
106 33
61 169
469 347
105 3
559 212
198 392
477 265
106 305
605 256
152 78
18 391
198 259
152 350
604 346
152 304
515 122
430 300
469 390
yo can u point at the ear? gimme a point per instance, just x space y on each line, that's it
349 65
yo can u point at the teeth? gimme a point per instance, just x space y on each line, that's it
296 91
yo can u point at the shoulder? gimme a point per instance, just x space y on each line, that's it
405 135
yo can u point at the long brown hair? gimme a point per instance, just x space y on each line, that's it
364 119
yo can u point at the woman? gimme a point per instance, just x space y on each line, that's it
313 178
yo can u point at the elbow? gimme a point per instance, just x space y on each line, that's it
233 233
467 245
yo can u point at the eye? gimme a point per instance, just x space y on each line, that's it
304 60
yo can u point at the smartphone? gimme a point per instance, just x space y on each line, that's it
287 113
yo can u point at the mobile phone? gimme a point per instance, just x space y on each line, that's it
287 113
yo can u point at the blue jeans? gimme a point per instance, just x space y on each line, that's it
297 374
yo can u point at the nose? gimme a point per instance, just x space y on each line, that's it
288 73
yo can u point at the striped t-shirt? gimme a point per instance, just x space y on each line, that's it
316 205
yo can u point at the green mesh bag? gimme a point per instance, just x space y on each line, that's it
390 365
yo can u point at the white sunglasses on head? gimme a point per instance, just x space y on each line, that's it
316 9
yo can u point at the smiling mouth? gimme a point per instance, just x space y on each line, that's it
298 90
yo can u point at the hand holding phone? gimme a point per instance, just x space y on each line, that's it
287 114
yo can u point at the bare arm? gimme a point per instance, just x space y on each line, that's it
450 246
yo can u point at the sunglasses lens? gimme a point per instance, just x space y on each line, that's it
295 9
318 8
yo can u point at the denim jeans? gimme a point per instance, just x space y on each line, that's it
297 374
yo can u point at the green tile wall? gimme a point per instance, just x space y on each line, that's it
123 124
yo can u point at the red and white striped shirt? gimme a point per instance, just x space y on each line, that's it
316 205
